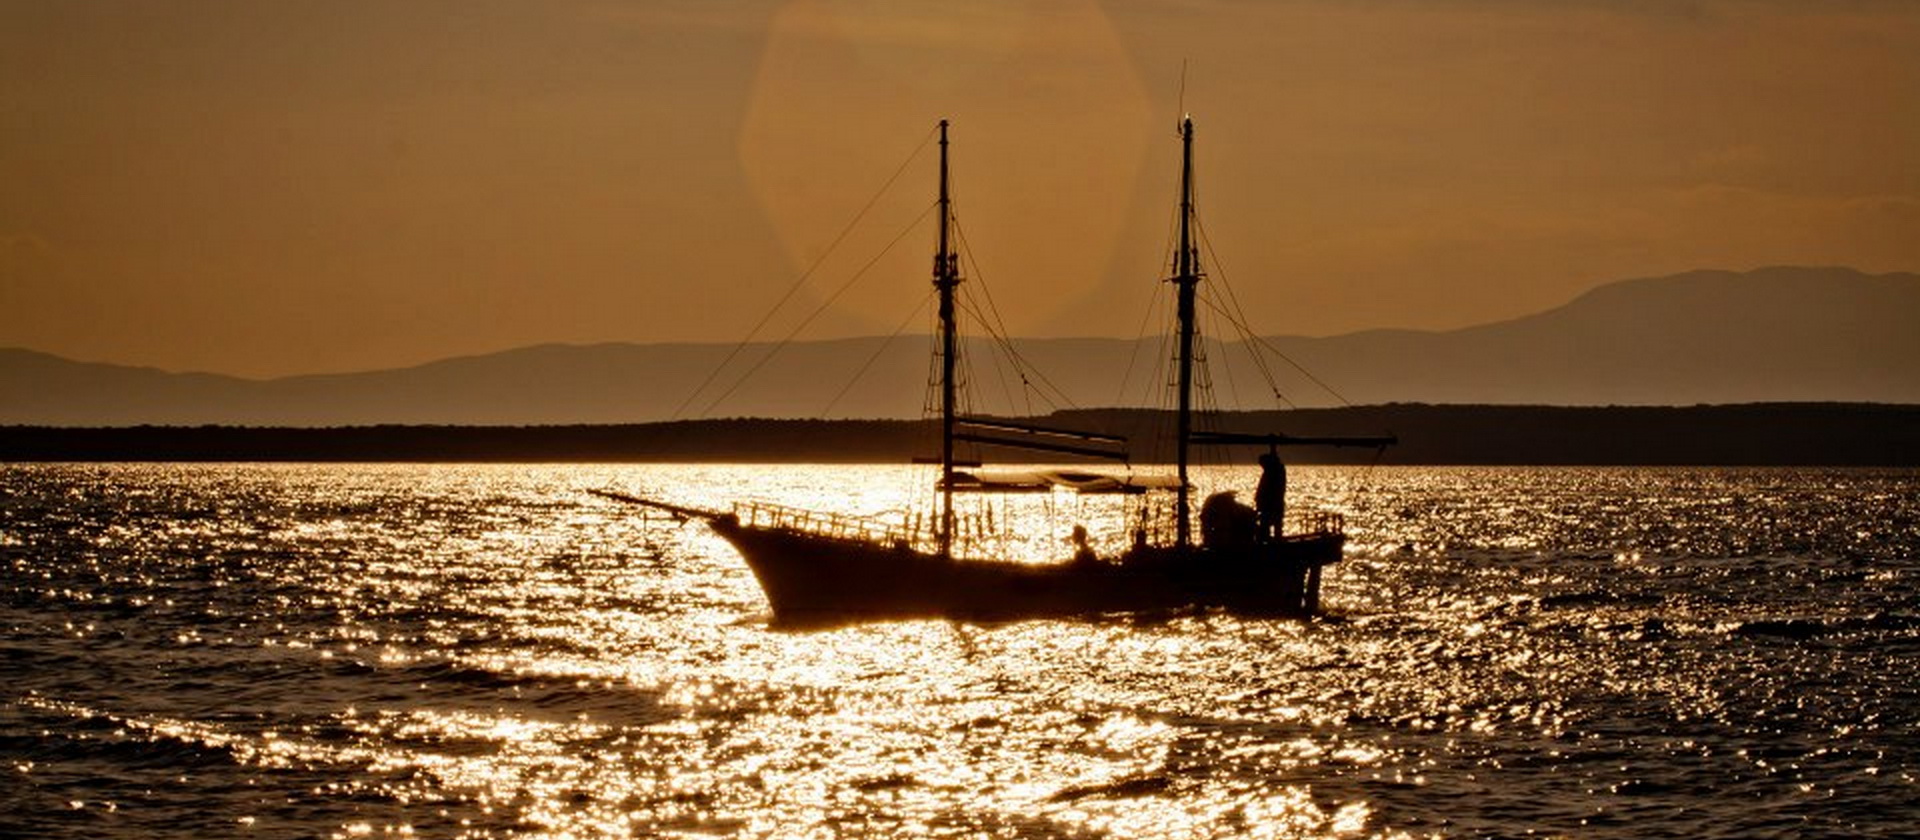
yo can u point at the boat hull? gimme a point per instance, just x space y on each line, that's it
814 579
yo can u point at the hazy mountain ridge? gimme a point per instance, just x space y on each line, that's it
1798 334
1770 335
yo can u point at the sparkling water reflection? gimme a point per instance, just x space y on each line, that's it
489 651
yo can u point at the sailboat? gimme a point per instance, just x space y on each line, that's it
821 568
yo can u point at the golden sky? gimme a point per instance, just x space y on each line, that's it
265 188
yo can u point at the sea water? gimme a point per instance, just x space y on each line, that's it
491 651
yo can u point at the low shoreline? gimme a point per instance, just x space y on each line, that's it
1767 434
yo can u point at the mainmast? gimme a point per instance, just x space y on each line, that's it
946 276
1186 277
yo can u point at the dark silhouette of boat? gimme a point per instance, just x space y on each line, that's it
822 568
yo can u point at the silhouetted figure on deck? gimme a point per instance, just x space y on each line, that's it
1226 523
1270 497
1082 554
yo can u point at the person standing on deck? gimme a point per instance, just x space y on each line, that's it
1082 553
1270 497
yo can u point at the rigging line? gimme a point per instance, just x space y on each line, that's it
1027 390
1269 346
1252 342
1133 355
930 394
1226 368
1031 374
1262 342
1001 365
1154 302
1247 338
1169 369
1238 318
1161 398
996 326
1209 397
1156 389
1203 376
979 278
917 309
1021 364
963 381
964 299
989 325
802 280
824 306
1220 269
996 330
964 371
930 383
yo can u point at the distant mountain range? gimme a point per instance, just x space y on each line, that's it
1704 337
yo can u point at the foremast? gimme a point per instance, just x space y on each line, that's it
1186 277
946 278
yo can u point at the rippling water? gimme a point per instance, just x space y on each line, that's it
456 651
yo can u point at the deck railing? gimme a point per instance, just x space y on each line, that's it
972 534
824 524
1314 523
1300 525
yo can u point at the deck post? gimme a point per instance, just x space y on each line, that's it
1310 604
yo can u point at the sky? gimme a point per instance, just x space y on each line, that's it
273 188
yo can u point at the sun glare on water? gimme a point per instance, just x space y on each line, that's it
605 722
378 650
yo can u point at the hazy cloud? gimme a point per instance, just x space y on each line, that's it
278 187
